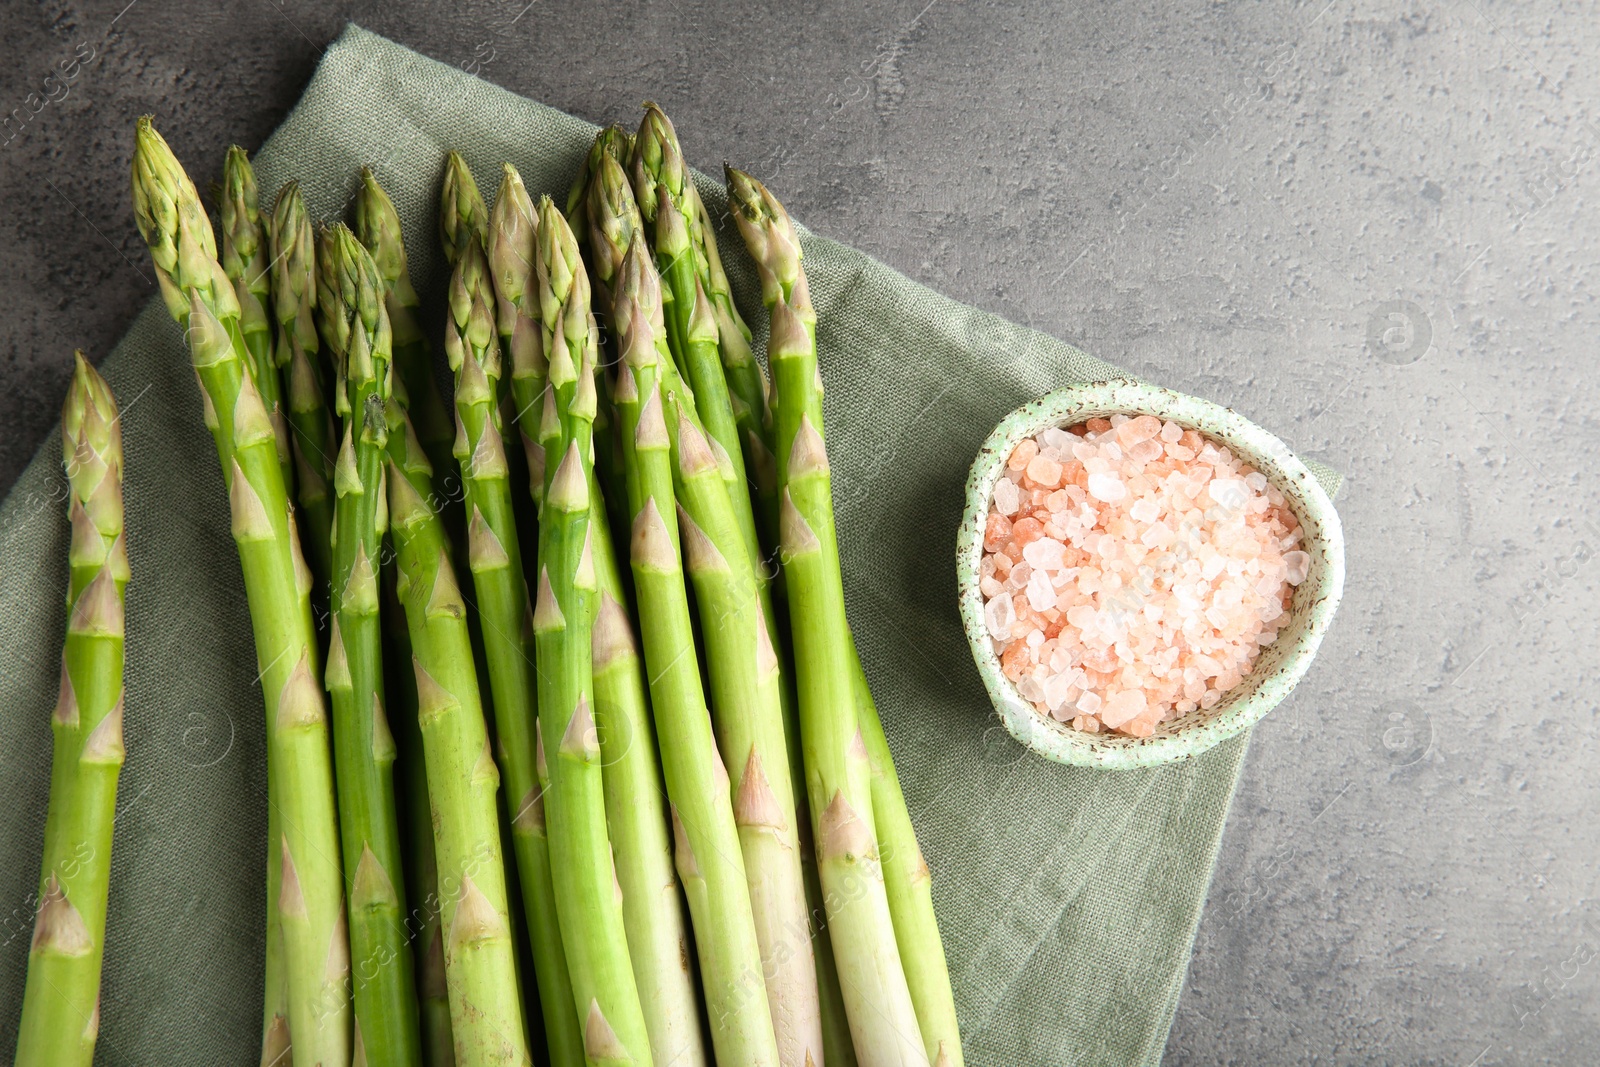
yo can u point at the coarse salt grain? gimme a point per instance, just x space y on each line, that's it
1044 472
1122 708
1041 595
1133 572
1145 509
1107 487
1007 497
1045 553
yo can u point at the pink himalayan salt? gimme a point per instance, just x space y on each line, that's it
1044 472
1133 571
1106 486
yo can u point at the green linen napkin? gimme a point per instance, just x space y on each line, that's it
1068 897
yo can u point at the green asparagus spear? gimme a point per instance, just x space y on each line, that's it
735 610
294 296
61 1003
293 259
748 715
709 859
616 142
278 588
835 1025
593 933
746 380
378 226
668 203
350 295
511 250
463 216
748 385
910 889
486 1016
607 213
416 392
883 1021
472 344
635 808
416 816
628 749
636 815
464 222
770 238
245 261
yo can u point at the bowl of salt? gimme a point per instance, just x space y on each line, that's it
1142 574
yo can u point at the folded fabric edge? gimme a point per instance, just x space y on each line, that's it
1180 978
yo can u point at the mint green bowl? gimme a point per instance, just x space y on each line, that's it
1281 663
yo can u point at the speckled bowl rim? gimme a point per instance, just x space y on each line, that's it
1282 664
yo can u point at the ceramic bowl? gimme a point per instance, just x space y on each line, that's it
1280 665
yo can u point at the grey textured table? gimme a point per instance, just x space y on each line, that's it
1362 224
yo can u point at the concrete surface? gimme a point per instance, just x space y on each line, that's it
1365 223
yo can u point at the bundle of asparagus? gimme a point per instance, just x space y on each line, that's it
710 855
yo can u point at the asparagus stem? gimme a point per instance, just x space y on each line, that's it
883 1021
748 386
465 221
587 893
479 956
61 1002
511 253
748 716
837 1046
746 380
653 908
835 1024
670 206
415 391
737 617
293 287
749 433
294 294
708 855
636 815
504 611
245 261
278 588
416 819
378 226
910 887
603 207
350 296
